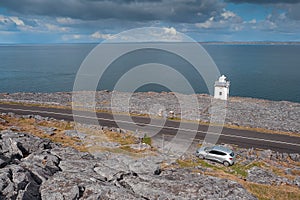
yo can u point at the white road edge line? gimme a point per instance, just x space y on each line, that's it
226 135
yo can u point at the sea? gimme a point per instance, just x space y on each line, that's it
265 71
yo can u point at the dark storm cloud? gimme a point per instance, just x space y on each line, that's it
293 12
188 11
265 1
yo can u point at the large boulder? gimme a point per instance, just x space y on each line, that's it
17 182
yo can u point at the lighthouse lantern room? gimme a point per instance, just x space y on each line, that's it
222 88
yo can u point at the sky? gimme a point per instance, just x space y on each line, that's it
92 21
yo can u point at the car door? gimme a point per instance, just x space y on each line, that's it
212 155
216 155
220 156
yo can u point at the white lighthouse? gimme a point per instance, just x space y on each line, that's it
222 88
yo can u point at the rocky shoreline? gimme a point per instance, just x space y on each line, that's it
34 167
244 112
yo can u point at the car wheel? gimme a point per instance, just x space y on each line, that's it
226 164
201 157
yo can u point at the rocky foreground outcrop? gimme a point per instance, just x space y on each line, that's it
35 168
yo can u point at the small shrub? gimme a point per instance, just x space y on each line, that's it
147 140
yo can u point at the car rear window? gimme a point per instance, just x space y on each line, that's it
231 154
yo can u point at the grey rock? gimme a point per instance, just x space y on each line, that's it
11 148
297 181
18 183
106 172
68 153
285 156
27 116
180 184
75 133
108 144
288 171
25 142
64 185
70 186
3 121
140 146
295 157
47 130
279 156
38 117
100 191
25 183
30 192
10 114
112 168
42 165
57 192
3 161
6 184
265 154
259 175
262 176
146 165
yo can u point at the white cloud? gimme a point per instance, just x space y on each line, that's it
228 14
253 21
98 35
11 20
207 24
52 27
13 23
227 20
76 36
71 37
17 21
146 34
270 24
171 31
65 20
237 27
3 19
165 34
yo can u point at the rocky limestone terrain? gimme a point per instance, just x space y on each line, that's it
34 167
246 112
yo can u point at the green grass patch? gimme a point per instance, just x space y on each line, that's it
190 163
238 169
147 140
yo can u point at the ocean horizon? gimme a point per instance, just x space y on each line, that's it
264 71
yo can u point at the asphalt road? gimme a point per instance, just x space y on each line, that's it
242 138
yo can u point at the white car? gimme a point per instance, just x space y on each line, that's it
217 153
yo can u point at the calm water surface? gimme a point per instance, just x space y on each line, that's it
259 71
